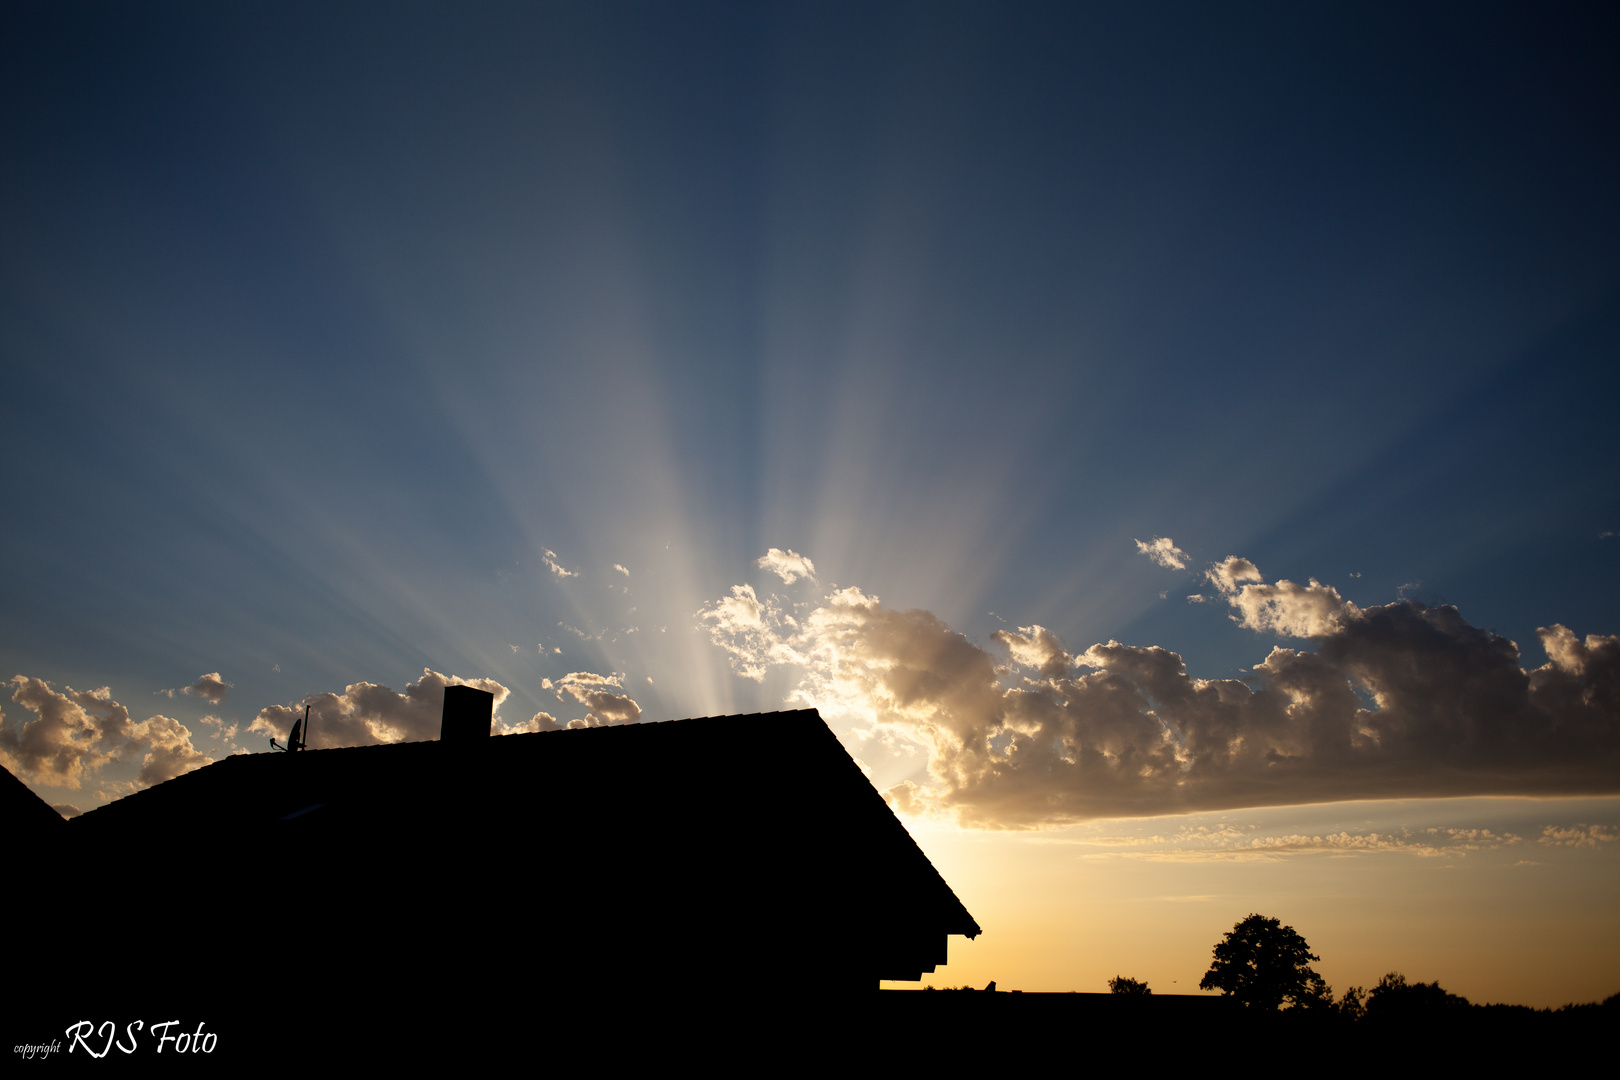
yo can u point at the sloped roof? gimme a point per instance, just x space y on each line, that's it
768 806
27 816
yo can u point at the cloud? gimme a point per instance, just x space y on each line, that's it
226 731
550 560
1036 647
170 753
75 733
1272 848
747 628
598 693
367 713
621 569
67 810
210 687
1231 572
1572 655
1307 611
1473 839
1402 700
789 565
1228 844
1588 836
540 721
1163 551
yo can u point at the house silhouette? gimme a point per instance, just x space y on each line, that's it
701 856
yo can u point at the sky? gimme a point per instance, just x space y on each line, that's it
1173 445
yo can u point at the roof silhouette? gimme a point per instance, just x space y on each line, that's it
27 816
719 849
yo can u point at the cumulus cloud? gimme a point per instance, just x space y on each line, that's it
789 565
621 569
1401 700
602 695
75 733
170 753
540 721
1162 550
1036 647
210 687
1286 608
1572 655
368 713
1231 572
748 628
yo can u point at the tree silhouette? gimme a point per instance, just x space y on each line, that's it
1119 984
1263 964
1395 998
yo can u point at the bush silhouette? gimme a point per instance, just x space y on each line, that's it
1119 984
1394 999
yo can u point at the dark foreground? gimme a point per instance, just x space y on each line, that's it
925 1030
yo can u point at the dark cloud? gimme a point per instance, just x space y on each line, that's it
210 687
1399 700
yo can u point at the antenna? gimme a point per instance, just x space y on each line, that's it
298 738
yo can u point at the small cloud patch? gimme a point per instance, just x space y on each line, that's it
789 565
1163 551
551 563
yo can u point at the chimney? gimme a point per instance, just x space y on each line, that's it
469 713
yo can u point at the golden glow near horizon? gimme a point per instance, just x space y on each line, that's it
1500 900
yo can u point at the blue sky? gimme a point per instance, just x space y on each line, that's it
504 343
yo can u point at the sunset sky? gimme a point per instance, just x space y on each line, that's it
1175 446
